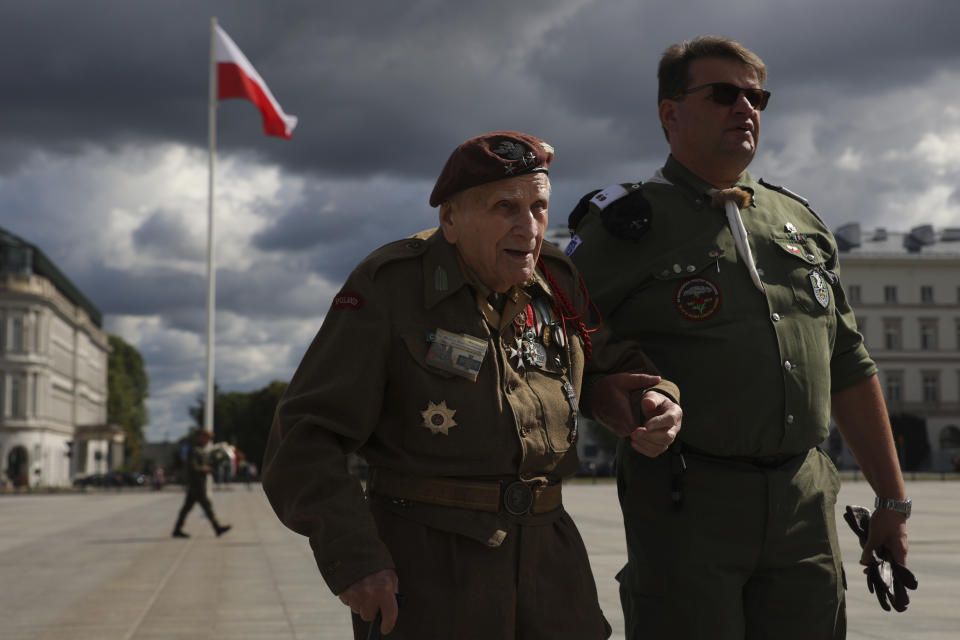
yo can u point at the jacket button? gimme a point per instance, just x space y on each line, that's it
787 365
790 418
776 317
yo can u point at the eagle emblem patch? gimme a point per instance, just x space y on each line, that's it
697 298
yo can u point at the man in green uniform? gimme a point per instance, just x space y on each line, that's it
731 286
453 361
197 470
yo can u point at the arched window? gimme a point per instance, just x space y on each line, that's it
950 437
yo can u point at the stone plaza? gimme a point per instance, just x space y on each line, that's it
102 566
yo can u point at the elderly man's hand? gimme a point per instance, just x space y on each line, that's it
617 402
372 593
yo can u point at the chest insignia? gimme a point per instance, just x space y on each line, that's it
820 289
789 228
795 250
438 417
697 298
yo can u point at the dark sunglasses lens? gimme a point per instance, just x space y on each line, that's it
725 94
757 98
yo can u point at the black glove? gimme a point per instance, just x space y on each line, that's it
886 577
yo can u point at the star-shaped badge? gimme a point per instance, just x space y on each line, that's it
438 417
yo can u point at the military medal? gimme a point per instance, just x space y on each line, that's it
516 351
820 290
438 417
534 353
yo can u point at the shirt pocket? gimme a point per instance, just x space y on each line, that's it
804 263
686 283
444 415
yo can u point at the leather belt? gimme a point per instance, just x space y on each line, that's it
763 462
516 497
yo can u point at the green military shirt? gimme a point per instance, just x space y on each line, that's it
373 381
757 368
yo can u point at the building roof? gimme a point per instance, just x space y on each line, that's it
19 256
921 240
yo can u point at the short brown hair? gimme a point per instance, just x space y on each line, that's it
674 70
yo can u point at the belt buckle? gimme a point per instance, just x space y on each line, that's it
517 498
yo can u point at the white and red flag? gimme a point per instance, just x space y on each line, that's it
236 78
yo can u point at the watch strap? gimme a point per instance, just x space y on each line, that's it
900 506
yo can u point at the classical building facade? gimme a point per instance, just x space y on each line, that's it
905 290
53 374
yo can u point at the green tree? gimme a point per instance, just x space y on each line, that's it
127 391
243 418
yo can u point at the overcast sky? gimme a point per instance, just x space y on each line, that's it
103 122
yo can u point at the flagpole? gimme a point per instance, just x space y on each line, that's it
211 269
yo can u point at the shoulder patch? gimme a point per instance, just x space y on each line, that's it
629 216
347 300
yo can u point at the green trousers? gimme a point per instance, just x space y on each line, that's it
752 553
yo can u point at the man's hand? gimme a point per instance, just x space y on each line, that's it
616 401
372 593
887 529
663 417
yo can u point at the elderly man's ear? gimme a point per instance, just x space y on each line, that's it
447 224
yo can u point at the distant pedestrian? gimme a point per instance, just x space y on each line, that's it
159 477
197 470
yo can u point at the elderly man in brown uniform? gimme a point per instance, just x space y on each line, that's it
452 361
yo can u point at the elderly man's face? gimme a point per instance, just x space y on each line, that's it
708 135
498 228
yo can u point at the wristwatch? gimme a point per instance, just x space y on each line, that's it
900 506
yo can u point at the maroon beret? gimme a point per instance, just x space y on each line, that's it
492 156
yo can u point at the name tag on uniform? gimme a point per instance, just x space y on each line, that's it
457 353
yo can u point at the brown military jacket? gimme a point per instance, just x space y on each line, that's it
374 382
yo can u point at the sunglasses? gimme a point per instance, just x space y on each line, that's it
726 94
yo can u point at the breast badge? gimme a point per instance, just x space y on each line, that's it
438 417
820 289
697 298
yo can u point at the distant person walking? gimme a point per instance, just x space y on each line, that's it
197 470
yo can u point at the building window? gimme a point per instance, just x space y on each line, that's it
853 294
926 294
16 334
16 396
957 321
931 387
928 334
894 387
892 334
950 437
890 294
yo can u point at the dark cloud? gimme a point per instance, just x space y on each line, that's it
384 91
164 234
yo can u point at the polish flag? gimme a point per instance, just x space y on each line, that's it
236 78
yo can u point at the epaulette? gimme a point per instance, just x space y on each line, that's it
397 250
624 211
791 194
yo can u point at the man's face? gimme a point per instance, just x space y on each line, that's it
498 228
708 134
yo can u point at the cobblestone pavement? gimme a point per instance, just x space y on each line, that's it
102 566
